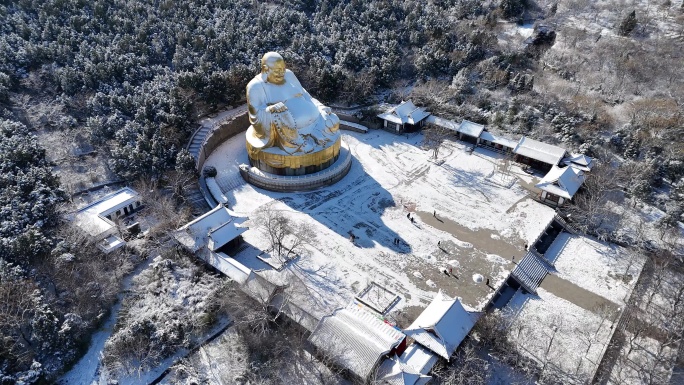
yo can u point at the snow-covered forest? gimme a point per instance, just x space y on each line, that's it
128 79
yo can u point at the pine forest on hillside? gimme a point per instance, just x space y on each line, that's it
103 91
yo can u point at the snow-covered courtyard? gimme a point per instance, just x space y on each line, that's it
468 215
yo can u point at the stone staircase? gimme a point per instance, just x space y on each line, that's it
228 184
196 200
530 272
197 140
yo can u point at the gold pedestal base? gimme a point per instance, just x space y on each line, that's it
276 160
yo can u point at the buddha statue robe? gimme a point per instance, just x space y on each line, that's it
305 124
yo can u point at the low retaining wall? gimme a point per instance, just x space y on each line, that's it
220 134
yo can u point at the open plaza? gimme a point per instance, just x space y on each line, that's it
403 226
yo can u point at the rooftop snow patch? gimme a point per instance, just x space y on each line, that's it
418 358
406 112
486 135
443 325
355 340
563 182
395 372
445 123
542 152
470 128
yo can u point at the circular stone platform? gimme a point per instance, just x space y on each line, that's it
338 168
274 160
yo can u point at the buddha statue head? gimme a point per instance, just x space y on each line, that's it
273 65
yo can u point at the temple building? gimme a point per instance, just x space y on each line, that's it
405 117
559 185
98 218
538 155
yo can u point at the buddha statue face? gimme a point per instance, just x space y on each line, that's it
274 68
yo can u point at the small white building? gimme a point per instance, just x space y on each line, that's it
443 325
405 117
559 185
98 218
539 155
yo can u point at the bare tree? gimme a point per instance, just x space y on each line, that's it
433 138
465 367
286 238
590 212
632 327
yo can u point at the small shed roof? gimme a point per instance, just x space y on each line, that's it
471 129
579 161
443 325
486 135
355 339
563 182
406 112
537 150
445 123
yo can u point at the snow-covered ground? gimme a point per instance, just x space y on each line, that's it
567 327
649 362
564 339
479 224
604 269
85 371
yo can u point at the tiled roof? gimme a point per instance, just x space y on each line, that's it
406 112
542 152
443 325
355 339
563 182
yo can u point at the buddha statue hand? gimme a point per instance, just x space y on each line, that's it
278 107
332 123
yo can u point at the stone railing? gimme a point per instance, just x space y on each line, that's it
303 182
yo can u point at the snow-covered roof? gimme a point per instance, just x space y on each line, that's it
486 135
92 218
446 123
442 325
213 230
406 112
563 182
471 129
542 152
418 358
355 339
579 161
394 372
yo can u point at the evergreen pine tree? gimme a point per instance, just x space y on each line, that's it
628 24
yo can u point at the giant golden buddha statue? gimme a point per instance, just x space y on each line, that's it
291 133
